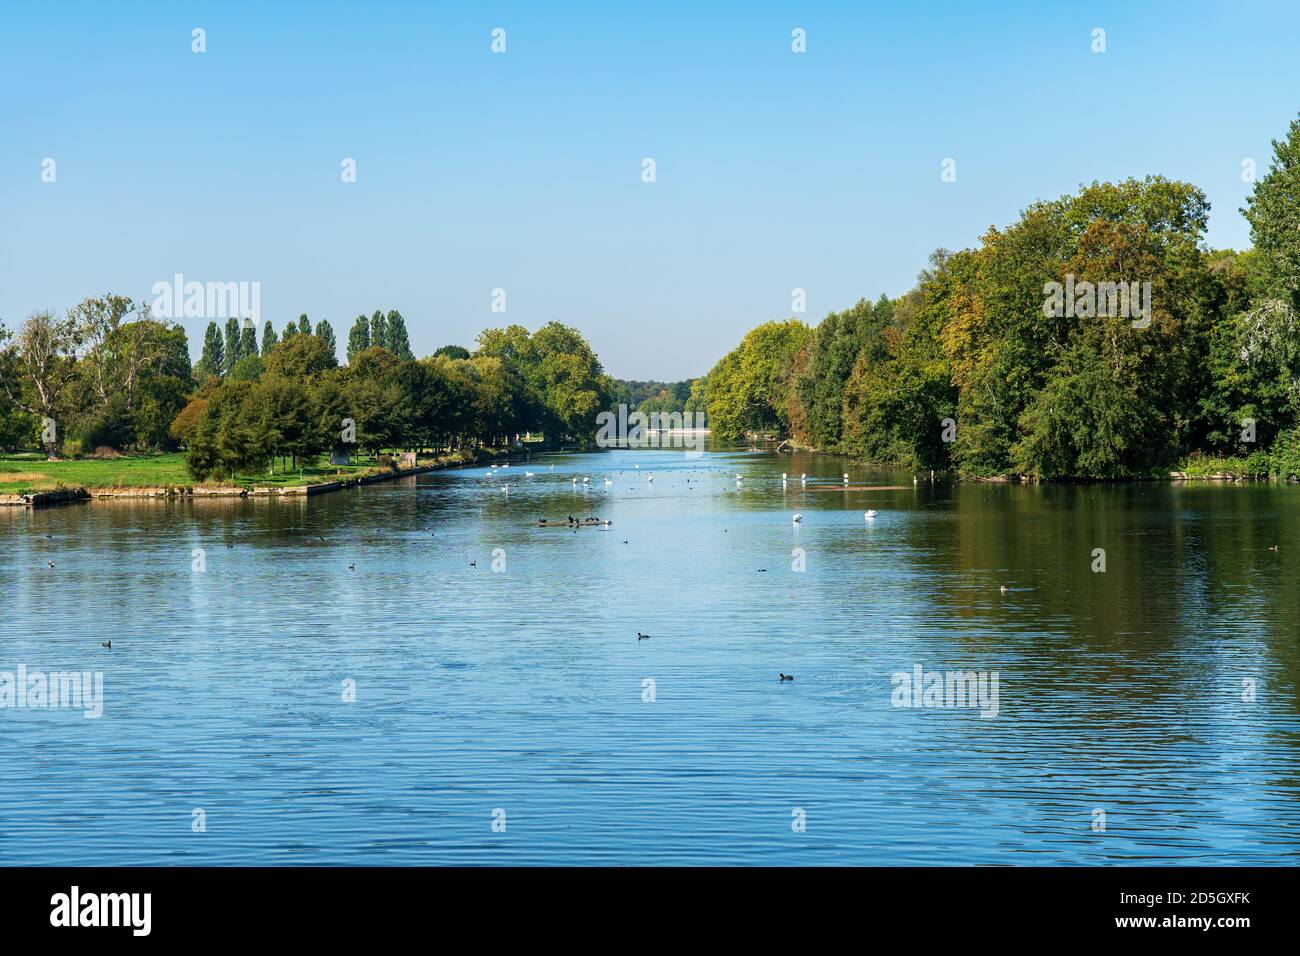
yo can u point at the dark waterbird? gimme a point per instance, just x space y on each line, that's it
642 637
108 644
787 677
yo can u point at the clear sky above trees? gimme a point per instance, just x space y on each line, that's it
522 170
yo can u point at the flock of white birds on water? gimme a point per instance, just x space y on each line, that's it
785 478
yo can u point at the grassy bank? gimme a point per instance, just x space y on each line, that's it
23 473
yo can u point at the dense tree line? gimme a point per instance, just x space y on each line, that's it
385 331
980 368
652 396
302 404
107 374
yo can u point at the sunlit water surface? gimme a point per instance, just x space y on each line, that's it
523 688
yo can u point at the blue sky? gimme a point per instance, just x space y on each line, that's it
522 170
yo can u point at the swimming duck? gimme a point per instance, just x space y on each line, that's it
787 677
108 644
797 518
869 514
642 637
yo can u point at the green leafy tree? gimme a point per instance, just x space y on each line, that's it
247 369
213 359
269 338
1273 211
248 340
358 337
224 441
300 357
234 350
751 388
398 343
325 332
379 330
37 365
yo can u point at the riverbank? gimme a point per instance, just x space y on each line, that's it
1280 465
29 481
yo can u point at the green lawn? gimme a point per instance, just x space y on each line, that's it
31 472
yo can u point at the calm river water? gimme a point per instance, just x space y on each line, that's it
508 714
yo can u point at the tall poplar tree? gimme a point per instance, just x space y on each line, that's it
234 352
358 337
213 360
398 342
379 330
248 340
325 332
269 338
